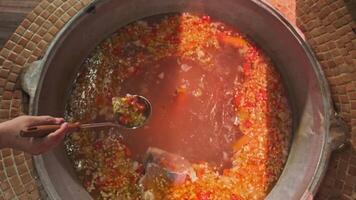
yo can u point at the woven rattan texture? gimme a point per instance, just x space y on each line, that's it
327 25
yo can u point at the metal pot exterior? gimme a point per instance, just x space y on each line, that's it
301 73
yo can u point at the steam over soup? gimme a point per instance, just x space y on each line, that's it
220 126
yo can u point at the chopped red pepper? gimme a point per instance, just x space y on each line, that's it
204 195
235 197
237 100
247 69
247 123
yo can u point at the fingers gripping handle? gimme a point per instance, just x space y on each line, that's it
44 130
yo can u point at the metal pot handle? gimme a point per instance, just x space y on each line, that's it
30 77
338 132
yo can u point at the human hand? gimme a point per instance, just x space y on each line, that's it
10 134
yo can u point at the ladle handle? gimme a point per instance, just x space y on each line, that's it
44 130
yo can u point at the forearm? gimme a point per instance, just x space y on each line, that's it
10 138
9 133
4 137
2 142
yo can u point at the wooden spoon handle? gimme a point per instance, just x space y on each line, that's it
44 130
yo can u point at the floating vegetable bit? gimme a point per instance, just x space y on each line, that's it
130 110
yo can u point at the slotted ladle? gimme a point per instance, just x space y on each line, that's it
43 130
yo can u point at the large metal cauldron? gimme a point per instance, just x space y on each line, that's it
312 140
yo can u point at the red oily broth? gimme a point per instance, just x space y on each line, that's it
193 111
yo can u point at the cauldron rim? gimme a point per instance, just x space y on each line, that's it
325 150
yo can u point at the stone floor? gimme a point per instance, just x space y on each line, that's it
12 12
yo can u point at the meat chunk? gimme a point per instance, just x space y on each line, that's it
163 169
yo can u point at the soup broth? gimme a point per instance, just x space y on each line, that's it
218 107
